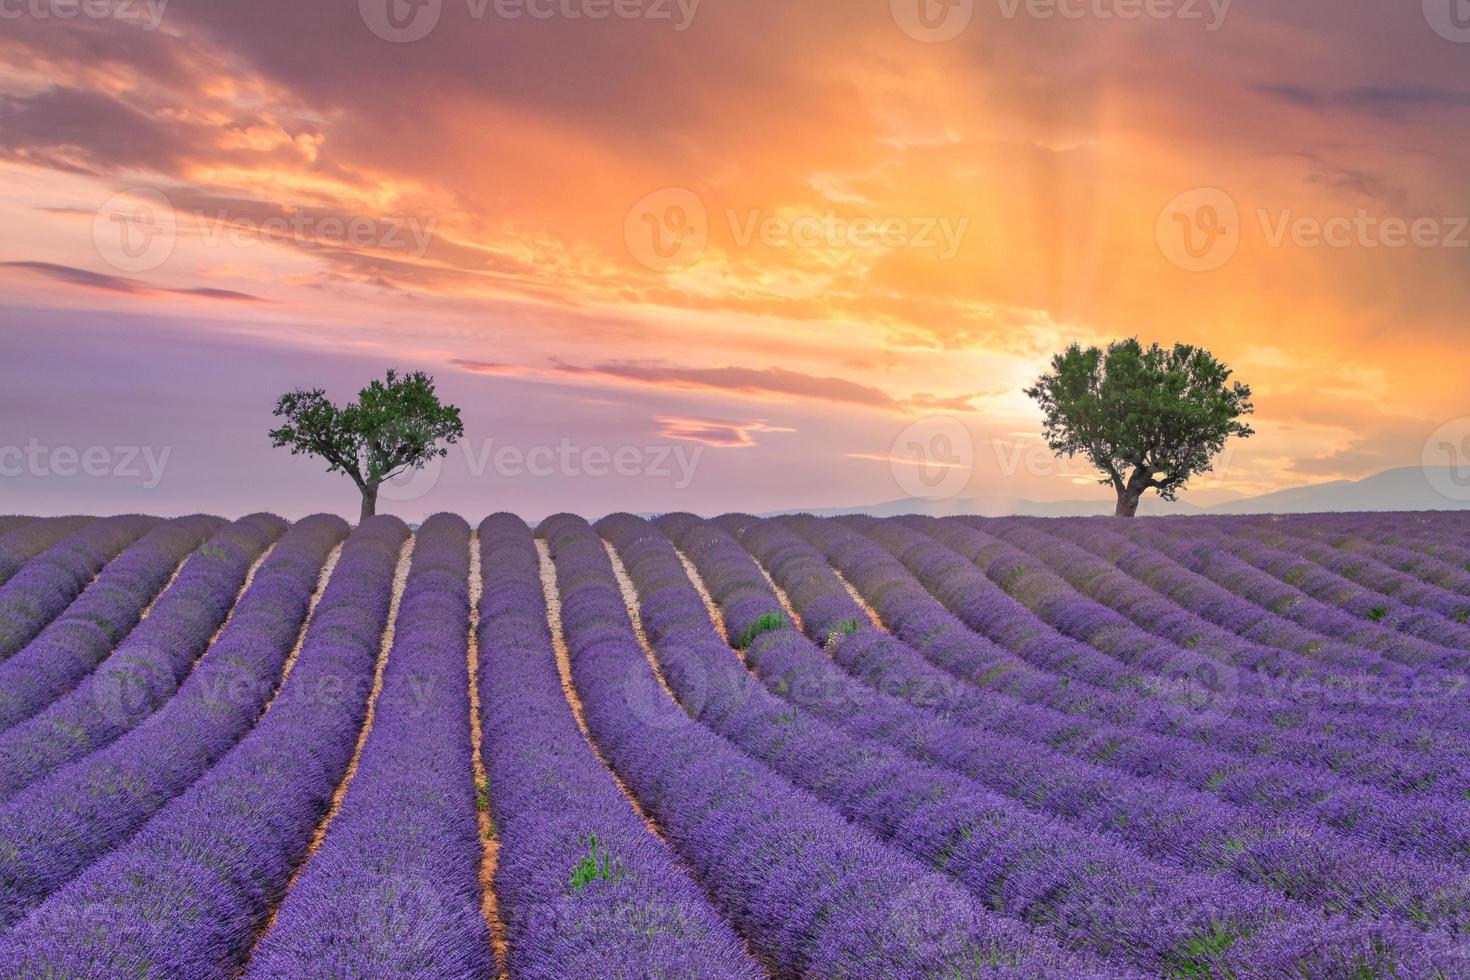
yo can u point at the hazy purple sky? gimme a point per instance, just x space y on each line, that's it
757 254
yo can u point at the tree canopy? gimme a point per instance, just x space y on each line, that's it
1146 417
395 425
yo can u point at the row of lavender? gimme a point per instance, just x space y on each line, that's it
964 565
811 892
1123 674
187 893
935 787
45 586
393 886
147 665
1018 734
393 889
1003 653
59 825
552 800
1302 853
1398 734
1409 817
29 537
88 629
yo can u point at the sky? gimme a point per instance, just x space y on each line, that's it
712 255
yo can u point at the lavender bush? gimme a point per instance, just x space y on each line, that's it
88 629
549 794
187 894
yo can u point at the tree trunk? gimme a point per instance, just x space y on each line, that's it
1130 493
369 502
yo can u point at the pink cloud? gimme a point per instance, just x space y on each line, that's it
714 432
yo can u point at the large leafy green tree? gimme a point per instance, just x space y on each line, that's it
395 425
1146 417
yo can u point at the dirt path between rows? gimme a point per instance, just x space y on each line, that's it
400 579
564 668
635 614
862 603
781 596
240 594
178 569
328 567
489 842
715 616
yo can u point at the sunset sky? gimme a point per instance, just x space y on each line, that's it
763 248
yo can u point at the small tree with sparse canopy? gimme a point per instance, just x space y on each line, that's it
395 425
1146 417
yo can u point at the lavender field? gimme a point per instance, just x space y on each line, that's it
742 747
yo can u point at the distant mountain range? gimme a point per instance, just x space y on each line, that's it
1410 488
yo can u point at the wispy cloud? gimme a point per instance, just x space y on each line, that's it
914 461
105 283
1375 99
760 383
714 432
